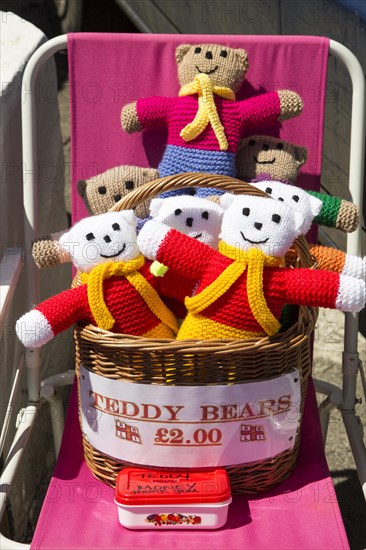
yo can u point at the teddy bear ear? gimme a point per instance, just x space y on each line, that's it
243 56
299 222
64 243
130 217
155 206
226 200
181 51
81 185
315 204
301 155
150 174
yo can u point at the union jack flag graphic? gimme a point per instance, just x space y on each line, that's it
127 432
252 433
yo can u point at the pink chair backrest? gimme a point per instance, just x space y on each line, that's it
109 70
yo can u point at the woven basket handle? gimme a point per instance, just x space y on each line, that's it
170 183
190 179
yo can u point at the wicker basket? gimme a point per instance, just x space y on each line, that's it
142 360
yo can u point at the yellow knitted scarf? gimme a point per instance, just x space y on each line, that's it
207 111
253 259
94 281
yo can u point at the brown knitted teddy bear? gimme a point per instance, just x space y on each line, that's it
266 158
99 193
272 165
205 122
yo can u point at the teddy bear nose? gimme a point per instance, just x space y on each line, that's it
208 55
258 225
189 222
107 239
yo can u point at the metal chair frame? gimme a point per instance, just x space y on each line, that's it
342 398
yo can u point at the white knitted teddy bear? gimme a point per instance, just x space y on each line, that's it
310 206
196 217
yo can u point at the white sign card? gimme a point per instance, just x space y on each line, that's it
190 426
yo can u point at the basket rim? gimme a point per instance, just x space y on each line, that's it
292 337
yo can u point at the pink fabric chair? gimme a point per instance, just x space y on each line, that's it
301 513
107 71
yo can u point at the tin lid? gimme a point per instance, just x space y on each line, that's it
141 486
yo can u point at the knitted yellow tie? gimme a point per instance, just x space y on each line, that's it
207 112
98 307
255 260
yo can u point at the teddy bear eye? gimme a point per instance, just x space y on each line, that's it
205 215
129 184
296 198
252 142
89 237
268 190
265 147
177 211
223 53
246 211
197 50
276 218
102 190
279 146
116 227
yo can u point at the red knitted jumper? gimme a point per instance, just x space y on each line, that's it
203 154
280 285
130 311
237 117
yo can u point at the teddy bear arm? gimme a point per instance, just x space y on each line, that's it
129 119
319 288
332 259
150 112
259 110
291 104
47 252
66 308
173 285
185 255
337 212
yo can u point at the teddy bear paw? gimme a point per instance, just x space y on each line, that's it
291 104
348 217
150 238
351 294
129 119
33 329
47 252
355 266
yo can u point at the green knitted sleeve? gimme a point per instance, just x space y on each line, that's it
330 209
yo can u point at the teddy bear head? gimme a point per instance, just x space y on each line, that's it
101 192
225 66
259 222
268 157
100 239
198 218
295 198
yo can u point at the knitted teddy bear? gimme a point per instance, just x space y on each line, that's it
242 288
310 206
99 193
119 293
194 216
205 122
269 158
